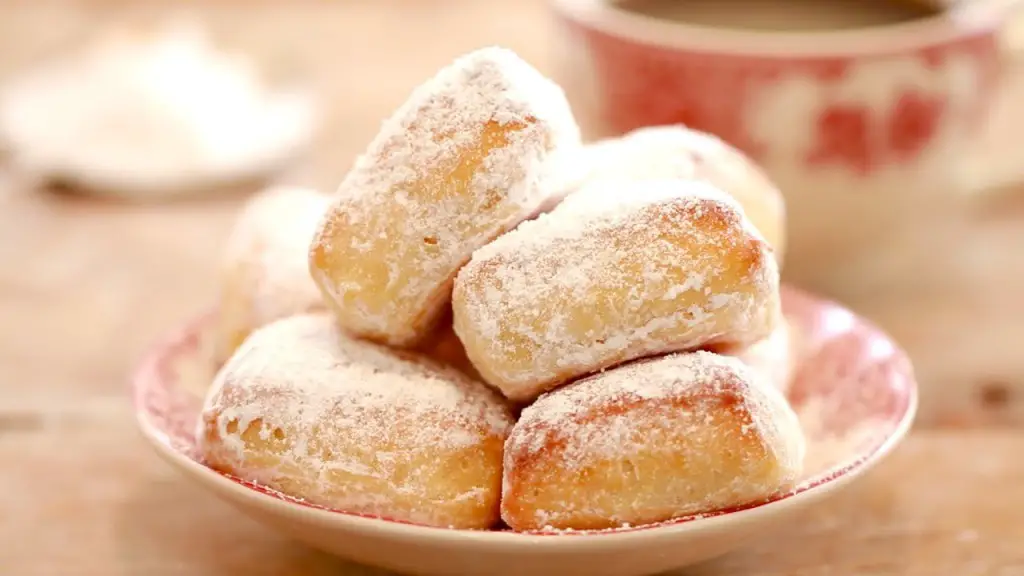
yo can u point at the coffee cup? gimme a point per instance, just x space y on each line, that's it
864 121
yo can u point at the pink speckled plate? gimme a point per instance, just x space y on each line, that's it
853 389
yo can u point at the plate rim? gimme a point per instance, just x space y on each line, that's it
808 492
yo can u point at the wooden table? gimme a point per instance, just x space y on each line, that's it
86 286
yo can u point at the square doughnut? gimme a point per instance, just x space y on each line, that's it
649 441
675 151
264 271
353 426
619 270
459 163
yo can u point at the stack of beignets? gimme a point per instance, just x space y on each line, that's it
635 320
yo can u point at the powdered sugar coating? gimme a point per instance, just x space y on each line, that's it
675 151
265 271
772 358
347 424
648 441
619 270
462 161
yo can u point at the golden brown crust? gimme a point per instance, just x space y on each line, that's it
648 442
661 266
349 425
675 151
457 165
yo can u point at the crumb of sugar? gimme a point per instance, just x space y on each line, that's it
270 240
303 376
442 121
571 252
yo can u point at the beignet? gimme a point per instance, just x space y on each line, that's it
264 275
650 441
675 151
350 425
458 164
616 272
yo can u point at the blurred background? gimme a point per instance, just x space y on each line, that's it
120 179
133 130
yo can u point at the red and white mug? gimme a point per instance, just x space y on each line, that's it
868 132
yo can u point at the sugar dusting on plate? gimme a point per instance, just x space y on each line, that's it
828 448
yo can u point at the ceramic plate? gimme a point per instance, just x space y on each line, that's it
852 388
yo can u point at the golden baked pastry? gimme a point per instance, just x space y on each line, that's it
772 357
650 441
350 425
445 347
617 271
675 151
264 275
458 164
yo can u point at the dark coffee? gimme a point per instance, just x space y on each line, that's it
797 15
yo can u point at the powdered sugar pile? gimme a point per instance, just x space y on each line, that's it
344 404
152 113
459 163
596 281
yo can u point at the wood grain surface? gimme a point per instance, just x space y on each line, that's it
87 285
